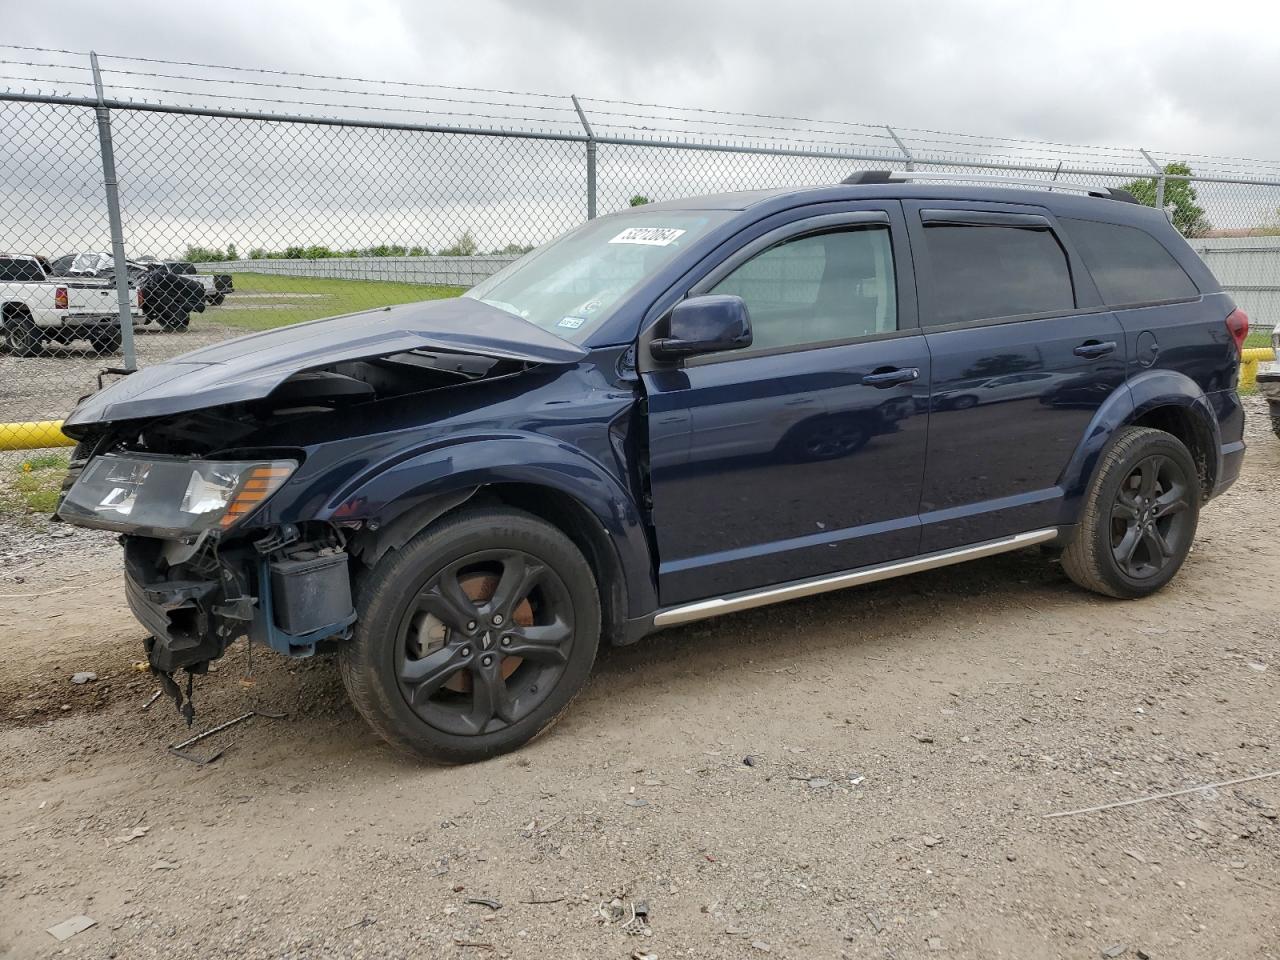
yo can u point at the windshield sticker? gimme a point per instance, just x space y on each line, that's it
649 236
573 323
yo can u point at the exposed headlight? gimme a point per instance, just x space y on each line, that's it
170 497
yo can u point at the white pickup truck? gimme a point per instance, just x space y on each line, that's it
35 308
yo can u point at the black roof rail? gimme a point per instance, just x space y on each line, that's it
869 176
905 176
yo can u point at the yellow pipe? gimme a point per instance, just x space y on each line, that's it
33 435
1249 360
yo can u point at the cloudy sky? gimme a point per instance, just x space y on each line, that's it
1196 78
1183 82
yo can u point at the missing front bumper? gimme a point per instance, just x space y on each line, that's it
290 603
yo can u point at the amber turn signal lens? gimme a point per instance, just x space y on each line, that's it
258 484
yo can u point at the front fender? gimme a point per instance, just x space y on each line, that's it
417 480
1127 405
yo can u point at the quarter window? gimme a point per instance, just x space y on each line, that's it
818 288
1128 265
982 272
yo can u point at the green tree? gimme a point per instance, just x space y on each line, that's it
639 200
231 252
464 246
196 254
516 248
1188 216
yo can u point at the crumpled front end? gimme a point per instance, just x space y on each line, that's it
201 464
289 589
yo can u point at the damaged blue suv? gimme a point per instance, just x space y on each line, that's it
670 413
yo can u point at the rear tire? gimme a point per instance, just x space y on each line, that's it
175 322
217 299
106 341
1140 516
447 676
22 336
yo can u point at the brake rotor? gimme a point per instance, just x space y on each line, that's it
433 633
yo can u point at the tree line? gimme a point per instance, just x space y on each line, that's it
464 246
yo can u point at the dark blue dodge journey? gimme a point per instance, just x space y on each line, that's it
670 413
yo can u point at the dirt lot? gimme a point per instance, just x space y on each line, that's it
905 741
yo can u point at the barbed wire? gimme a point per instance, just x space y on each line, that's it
706 123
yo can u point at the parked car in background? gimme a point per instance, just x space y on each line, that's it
671 413
216 285
91 264
1269 381
168 298
36 308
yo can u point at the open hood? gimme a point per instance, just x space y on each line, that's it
249 368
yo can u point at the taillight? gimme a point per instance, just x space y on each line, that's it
60 300
141 296
1238 327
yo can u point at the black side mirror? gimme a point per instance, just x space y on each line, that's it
706 324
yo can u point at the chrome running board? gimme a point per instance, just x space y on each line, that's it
838 581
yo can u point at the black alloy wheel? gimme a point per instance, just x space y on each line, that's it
1150 517
484 642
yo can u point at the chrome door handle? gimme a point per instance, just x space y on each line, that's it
1093 349
891 378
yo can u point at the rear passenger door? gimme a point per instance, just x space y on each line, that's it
1022 357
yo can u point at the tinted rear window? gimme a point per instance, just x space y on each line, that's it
981 272
20 269
1129 265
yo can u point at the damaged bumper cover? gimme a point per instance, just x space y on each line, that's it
290 602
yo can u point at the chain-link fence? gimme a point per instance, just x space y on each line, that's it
248 199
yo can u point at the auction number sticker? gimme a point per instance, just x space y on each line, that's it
649 236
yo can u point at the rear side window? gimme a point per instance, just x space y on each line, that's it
20 269
980 272
1128 265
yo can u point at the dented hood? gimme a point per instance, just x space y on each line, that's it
249 368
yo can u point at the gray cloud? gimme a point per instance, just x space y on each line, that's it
1155 74
1135 74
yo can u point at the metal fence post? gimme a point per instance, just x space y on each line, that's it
109 183
1159 180
591 158
911 160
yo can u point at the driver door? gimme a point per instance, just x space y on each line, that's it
802 454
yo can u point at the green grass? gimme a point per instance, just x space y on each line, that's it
263 301
1258 338
32 486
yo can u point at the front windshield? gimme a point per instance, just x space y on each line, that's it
573 283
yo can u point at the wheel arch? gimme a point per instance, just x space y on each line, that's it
556 483
15 308
1162 399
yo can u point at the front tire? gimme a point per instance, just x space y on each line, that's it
474 637
1140 516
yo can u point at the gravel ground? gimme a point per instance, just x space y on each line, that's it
863 774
